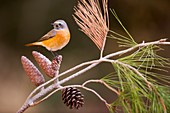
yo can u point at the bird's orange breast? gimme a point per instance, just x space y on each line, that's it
57 42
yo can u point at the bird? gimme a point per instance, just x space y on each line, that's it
55 39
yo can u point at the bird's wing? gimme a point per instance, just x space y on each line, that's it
50 34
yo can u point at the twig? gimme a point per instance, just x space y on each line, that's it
137 72
23 108
79 72
163 104
161 100
132 68
91 90
46 97
102 82
159 42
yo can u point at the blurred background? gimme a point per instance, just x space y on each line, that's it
25 21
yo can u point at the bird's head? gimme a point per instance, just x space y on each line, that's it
59 25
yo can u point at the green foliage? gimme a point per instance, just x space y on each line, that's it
123 41
149 63
148 90
132 89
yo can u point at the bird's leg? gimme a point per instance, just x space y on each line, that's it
55 55
52 53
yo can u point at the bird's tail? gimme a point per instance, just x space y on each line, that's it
34 44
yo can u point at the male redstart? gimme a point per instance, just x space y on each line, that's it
55 39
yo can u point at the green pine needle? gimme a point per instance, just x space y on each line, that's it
123 41
146 61
148 92
135 96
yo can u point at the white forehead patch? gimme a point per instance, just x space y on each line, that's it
60 21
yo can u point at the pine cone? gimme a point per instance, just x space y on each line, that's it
72 97
47 66
55 64
31 70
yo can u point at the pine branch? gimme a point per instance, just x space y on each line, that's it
35 94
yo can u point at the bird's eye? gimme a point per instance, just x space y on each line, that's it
59 25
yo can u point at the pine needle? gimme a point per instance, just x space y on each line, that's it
92 18
123 41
